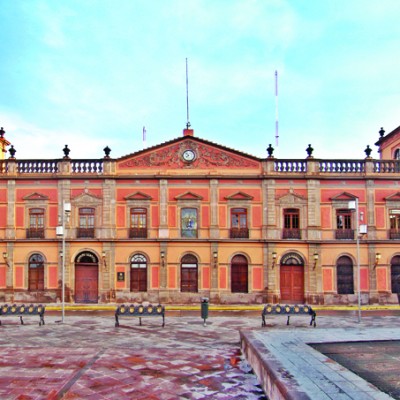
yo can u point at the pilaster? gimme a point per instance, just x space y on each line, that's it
214 227
163 231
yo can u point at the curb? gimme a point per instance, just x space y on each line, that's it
233 307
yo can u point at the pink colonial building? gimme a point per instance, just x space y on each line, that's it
190 218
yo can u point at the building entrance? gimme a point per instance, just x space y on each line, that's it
86 278
292 279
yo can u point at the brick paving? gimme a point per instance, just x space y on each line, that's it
87 357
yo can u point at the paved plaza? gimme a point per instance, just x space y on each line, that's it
87 357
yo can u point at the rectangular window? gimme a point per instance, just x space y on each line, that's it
344 225
189 222
36 224
138 223
239 228
394 216
86 223
291 223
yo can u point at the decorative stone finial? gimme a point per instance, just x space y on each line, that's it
107 152
66 151
270 151
381 132
309 150
368 151
12 152
2 132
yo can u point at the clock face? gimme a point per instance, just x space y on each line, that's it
189 155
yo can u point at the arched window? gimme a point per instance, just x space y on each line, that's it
395 274
397 154
189 273
239 274
344 272
138 273
36 272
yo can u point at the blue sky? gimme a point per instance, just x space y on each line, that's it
91 73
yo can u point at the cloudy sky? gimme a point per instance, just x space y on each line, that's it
91 73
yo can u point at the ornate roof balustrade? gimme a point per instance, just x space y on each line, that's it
37 167
310 166
31 167
341 166
290 166
387 166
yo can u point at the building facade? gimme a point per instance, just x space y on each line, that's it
190 218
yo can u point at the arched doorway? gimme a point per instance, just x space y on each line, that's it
189 273
292 278
36 272
395 274
138 273
345 275
86 278
239 274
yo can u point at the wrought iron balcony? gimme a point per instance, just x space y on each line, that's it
239 233
291 234
85 233
35 233
394 234
138 233
344 234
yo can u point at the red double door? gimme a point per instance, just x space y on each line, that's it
292 283
86 283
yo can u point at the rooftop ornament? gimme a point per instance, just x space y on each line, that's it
381 132
66 151
12 152
107 152
270 151
368 151
2 132
309 150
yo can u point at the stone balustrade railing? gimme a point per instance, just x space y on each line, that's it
272 166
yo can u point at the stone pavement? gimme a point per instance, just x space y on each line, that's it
87 357
289 366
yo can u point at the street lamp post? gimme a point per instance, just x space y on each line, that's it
61 232
354 205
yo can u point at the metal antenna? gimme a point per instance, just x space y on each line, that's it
187 96
276 109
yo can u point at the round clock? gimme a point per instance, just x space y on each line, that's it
189 155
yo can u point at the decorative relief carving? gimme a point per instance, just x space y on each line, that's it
207 157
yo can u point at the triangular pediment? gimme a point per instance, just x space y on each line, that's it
344 197
292 198
86 198
393 197
239 196
188 153
36 196
188 196
138 196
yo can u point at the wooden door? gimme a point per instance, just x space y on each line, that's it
239 278
292 283
86 283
